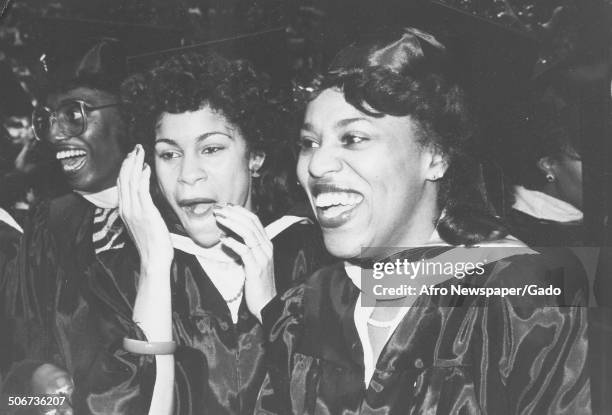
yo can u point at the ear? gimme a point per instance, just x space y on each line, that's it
438 164
256 160
546 165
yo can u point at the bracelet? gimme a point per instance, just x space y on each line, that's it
140 347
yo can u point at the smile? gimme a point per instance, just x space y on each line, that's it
72 160
335 208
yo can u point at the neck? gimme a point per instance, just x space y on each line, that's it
421 224
551 189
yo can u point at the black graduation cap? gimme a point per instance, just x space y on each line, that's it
91 51
266 50
495 62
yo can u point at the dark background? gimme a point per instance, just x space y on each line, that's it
295 39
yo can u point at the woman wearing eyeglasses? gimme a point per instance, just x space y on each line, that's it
385 160
221 168
55 294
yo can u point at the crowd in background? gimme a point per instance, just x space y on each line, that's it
529 180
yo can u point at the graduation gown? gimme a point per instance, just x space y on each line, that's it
495 355
73 308
60 299
9 243
219 365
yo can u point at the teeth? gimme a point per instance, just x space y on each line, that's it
326 200
72 164
64 154
200 208
337 210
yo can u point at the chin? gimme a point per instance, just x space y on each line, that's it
342 247
206 241
205 236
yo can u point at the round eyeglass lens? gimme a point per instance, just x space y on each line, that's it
71 119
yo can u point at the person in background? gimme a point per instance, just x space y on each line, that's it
545 168
222 167
71 245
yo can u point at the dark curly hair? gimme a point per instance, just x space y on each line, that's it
191 81
409 73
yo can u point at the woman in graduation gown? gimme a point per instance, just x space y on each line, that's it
222 168
385 162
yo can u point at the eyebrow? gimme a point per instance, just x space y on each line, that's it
340 124
198 138
347 121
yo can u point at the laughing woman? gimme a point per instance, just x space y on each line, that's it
385 163
221 169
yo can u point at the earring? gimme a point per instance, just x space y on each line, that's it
255 174
550 178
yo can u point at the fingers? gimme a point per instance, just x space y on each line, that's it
244 224
256 249
131 182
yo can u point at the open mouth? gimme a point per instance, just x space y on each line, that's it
72 160
197 207
334 208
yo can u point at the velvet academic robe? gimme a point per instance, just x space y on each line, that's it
491 355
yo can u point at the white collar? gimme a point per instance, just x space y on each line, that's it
9 220
105 199
186 244
543 206
363 313
225 273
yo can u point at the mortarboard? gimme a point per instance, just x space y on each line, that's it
91 52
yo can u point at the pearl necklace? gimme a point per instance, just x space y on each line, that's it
235 297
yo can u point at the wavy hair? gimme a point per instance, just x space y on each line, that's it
409 73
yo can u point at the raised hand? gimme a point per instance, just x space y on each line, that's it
141 217
255 252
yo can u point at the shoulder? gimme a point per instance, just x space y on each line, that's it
541 232
57 218
318 281
557 270
298 252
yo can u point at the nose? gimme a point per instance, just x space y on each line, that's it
324 160
192 170
55 134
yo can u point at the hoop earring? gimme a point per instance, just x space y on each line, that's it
550 178
255 174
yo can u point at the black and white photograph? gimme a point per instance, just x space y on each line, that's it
305 207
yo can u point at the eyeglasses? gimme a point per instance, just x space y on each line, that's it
70 116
